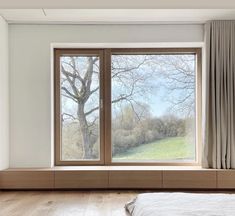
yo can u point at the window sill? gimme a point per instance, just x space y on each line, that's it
111 168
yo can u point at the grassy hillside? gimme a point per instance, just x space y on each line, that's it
168 149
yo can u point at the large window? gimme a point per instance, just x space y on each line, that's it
127 106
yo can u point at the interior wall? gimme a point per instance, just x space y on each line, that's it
30 76
4 96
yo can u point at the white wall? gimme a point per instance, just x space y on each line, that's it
30 83
4 96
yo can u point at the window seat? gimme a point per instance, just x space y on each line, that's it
117 177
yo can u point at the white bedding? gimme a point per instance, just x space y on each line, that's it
182 204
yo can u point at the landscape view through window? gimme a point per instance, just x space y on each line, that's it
80 116
153 107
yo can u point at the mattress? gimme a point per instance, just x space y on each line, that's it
182 204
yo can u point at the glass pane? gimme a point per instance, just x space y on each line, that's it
80 107
153 107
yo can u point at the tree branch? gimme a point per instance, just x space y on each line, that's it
92 110
69 93
69 115
67 96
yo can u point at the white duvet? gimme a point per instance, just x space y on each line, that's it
182 204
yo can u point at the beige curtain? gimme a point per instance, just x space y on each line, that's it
219 121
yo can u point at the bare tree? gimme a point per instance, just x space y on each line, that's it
76 85
178 73
78 89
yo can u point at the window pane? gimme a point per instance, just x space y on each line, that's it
153 107
80 108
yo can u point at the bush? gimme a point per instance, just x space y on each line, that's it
145 131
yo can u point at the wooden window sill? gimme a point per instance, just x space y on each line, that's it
111 168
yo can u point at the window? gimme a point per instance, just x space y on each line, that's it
127 106
78 114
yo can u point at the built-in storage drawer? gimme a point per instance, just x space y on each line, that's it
26 179
226 179
189 179
81 179
135 179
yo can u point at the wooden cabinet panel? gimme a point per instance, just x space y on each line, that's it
135 179
81 179
26 180
130 179
226 179
189 179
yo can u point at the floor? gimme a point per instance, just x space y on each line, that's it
66 203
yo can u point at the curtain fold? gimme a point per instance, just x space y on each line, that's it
219 118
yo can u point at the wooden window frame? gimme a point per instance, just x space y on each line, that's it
57 105
106 109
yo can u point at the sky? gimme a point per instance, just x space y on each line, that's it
158 97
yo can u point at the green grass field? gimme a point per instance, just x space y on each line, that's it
166 149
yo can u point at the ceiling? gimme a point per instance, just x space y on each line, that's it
115 16
119 4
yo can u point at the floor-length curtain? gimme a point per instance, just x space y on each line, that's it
219 121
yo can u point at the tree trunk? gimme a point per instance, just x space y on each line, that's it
86 137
